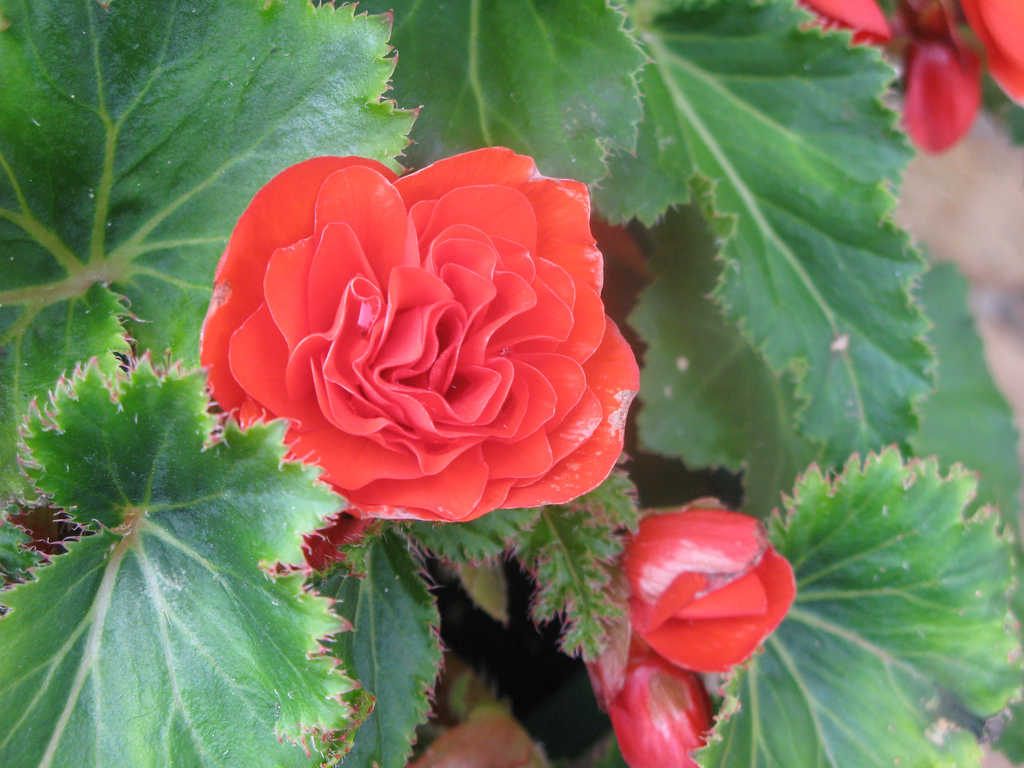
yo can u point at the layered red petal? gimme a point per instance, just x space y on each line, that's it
716 644
613 377
863 16
280 214
437 341
999 24
716 543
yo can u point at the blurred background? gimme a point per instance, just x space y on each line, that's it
967 206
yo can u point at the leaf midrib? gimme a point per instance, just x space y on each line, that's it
115 266
663 57
98 613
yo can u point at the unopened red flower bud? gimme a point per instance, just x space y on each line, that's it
660 715
943 92
707 587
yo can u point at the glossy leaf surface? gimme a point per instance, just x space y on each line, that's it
553 79
785 123
899 631
159 640
132 135
706 396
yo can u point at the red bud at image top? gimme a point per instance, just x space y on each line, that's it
707 587
943 92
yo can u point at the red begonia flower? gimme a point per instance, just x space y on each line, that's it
862 16
943 92
437 341
707 587
999 24
660 714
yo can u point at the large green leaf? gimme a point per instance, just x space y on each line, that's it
132 135
899 633
966 419
553 79
159 640
706 395
787 125
394 647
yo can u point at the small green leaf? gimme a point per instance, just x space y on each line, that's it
569 550
613 502
568 556
706 396
15 557
899 636
785 122
132 135
997 103
553 79
485 538
1015 123
966 419
159 640
393 645
487 587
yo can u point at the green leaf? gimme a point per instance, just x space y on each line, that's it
613 502
394 647
996 102
485 538
487 587
786 124
569 550
1011 740
553 79
40 342
132 135
1015 123
966 419
899 633
707 396
159 640
15 557
568 556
